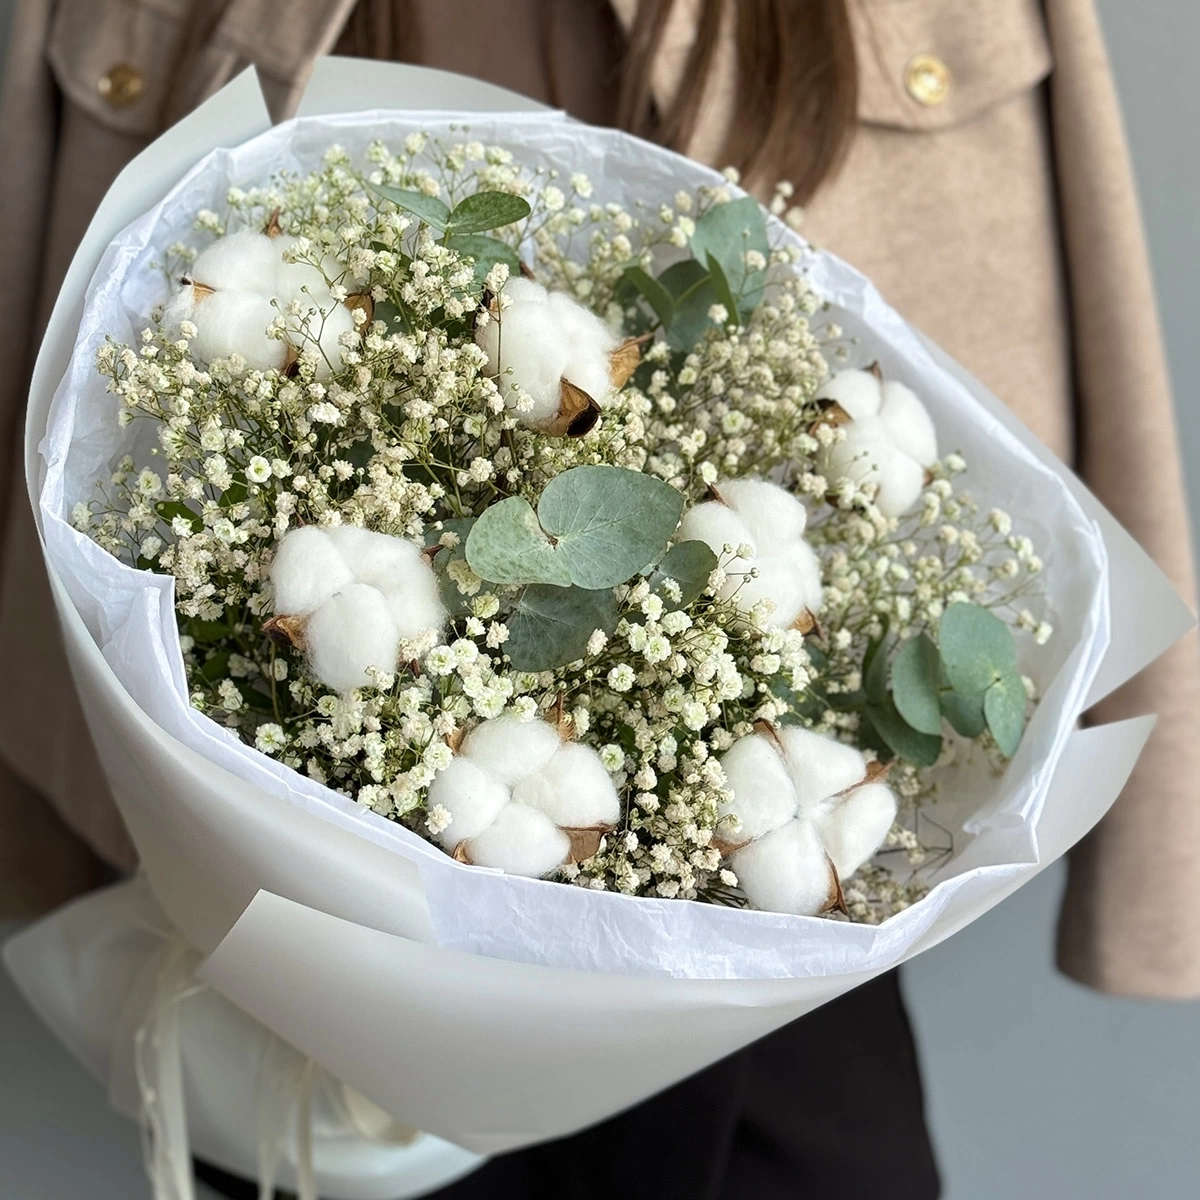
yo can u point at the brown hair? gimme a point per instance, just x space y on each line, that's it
796 94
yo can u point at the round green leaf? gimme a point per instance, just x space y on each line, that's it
551 625
1004 707
506 545
976 648
487 210
965 713
653 293
486 251
915 671
689 564
920 749
429 208
727 231
874 667
692 295
606 523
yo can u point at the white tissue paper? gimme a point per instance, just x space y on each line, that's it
465 1002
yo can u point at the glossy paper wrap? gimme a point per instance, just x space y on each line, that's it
498 1011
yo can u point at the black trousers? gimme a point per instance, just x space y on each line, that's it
828 1107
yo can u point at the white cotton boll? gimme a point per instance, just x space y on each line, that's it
573 789
786 871
243 261
588 343
320 331
181 307
232 322
510 748
771 514
763 797
856 827
396 567
858 392
307 569
909 423
471 796
291 279
802 561
524 350
868 455
717 526
820 766
350 633
787 581
520 841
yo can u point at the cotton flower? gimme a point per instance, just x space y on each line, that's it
807 815
889 440
541 339
350 596
780 568
514 788
234 295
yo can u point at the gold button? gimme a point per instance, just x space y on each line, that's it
927 79
122 85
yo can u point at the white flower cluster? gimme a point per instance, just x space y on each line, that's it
248 294
805 815
756 529
359 595
513 790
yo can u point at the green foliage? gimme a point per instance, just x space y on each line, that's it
550 626
689 564
486 210
977 648
486 251
692 295
921 749
1004 707
725 233
508 545
170 509
457 605
915 672
654 293
428 208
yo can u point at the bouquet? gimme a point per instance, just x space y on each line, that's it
517 584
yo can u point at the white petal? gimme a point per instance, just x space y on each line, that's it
820 766
306 570
763 795
520 841
858 392
856 826
509 748
242 261
909 423
472 797
350 632
230 322
771 514
786 871
573 789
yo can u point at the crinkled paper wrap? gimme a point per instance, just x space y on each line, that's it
492 1010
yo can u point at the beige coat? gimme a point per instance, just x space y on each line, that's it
1000 218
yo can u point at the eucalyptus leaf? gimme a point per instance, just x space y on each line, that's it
507 545
727 231
1004 707
720 283
606 523
168 510
965 713
689 564
551 625
874 668
486 251
429 208
920 749
486 210
691 289
976 648
915 671
653 292
457 605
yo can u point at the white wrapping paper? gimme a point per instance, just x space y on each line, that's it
500 994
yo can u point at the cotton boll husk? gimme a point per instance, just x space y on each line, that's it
771 514
856 826
520 841
819 766
717 526
352 631
763 796
868 455
909 423
573 789
471 796
858 392
231 322
786 871
243 261
509 748
307 569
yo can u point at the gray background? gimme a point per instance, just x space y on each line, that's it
1037 1088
